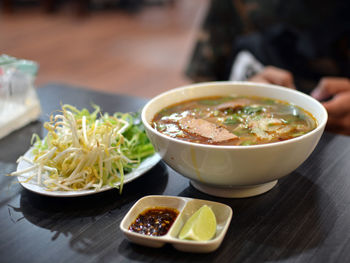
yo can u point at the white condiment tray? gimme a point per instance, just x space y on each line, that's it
186 207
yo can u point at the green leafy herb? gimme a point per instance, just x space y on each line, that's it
213 102
232 119
246 143
252 109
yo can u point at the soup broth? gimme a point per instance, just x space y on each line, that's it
233 121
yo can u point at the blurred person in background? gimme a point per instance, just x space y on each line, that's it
302 44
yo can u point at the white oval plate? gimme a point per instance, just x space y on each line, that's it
32 185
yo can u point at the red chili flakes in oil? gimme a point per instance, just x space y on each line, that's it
154 221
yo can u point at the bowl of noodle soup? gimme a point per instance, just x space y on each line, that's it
234 139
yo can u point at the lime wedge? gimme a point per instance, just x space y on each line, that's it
201 226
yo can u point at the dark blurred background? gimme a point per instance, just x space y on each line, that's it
137 47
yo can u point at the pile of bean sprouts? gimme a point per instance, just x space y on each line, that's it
84 150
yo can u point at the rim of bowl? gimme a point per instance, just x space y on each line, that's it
228 83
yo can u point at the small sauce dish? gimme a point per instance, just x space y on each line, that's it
186 207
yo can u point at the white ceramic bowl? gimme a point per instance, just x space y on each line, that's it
234 171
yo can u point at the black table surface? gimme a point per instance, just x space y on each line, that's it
305 218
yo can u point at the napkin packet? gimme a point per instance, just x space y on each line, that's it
19 104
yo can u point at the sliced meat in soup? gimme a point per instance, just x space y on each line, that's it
206 129
233 105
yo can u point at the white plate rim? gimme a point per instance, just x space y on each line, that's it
144 167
